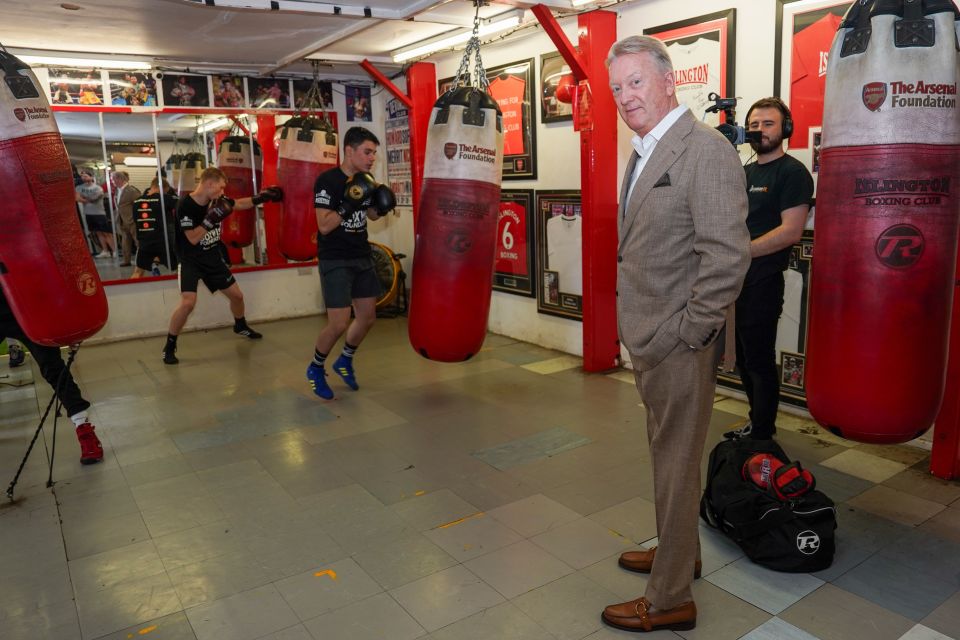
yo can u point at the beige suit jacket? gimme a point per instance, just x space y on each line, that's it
125 205
684 245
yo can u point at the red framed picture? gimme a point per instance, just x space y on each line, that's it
513 266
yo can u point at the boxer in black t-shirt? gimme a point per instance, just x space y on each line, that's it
344 199
153 246
199 215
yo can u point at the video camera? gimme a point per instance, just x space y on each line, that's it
736 134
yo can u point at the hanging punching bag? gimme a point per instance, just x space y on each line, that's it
239 164
172 168
46 271
308 147
885 244
191 166
457 227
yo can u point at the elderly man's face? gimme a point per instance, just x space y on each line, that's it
642 91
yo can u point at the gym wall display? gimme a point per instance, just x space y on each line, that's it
511 85
269 93
228 91
397 142
300 89
513 264
703 53
791 329
358 104
555 74
559 254
805 31
132 89
185 90
75 86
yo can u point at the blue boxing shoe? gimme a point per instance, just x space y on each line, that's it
343 367
318 382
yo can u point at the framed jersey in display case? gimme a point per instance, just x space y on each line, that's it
511 85
805 31
513 265
703 53
560 254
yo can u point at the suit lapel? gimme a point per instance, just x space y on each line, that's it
665 154
625 187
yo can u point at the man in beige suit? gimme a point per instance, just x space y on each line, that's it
124 194
684 251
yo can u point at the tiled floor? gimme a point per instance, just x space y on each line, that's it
484 500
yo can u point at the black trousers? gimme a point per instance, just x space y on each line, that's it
51 366
758 311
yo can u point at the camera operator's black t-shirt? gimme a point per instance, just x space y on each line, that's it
190 215
349 240
773 188
148 217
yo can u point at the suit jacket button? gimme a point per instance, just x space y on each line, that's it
619 258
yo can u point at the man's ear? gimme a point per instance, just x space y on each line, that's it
671 83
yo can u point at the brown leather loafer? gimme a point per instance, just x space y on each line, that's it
637 616
642 561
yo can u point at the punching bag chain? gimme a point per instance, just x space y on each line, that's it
314 97
473 47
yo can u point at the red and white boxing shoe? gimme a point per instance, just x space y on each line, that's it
91 450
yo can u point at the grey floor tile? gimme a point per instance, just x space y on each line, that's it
445 597
503 622
946 617
88 537
929 554
433 510
543 444
721 615
634 519
534 515
296 632
116 567
56 621
245 616
777 629
896 505
375 618
217 578
473 537
130 603
768 590
920 632
172 627
569 607
517 569
831 613
404 559
627 585
326 588
896 586
582 542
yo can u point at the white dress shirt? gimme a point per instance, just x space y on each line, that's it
644 146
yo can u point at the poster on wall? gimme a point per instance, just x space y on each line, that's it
75 86
513 264
559 254
556 89
805 32
185 90
302 87
132 89
397 141
358 104
511 85
269 93
703 53
228 91
791 328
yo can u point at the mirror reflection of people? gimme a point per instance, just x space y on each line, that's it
200 252
155 232
124 194
91 199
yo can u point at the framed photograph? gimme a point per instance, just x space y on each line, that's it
75 86
132 89
444 85
229 91
269 93
300 89
805 31
513 267
556 89
703 51
559 254
358 104
185 90
397 141
792 369
511 85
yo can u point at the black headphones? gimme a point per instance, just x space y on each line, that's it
787 128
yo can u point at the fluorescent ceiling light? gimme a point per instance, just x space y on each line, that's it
580 3
210 125
58 61
140 161
458 39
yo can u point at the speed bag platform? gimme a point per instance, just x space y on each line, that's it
456 231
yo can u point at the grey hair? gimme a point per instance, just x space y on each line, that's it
639 45
122 174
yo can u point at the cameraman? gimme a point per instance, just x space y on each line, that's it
780 191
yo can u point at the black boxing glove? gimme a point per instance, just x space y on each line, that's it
269 194
384 201
218 210
359 187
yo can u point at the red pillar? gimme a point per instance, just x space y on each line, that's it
266 128
422 89
945 457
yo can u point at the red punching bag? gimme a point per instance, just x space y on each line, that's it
46 271
237 161
885 245
308 147
457 227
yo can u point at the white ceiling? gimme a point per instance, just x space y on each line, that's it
188 33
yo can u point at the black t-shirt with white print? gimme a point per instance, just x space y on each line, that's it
349 240
190 215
